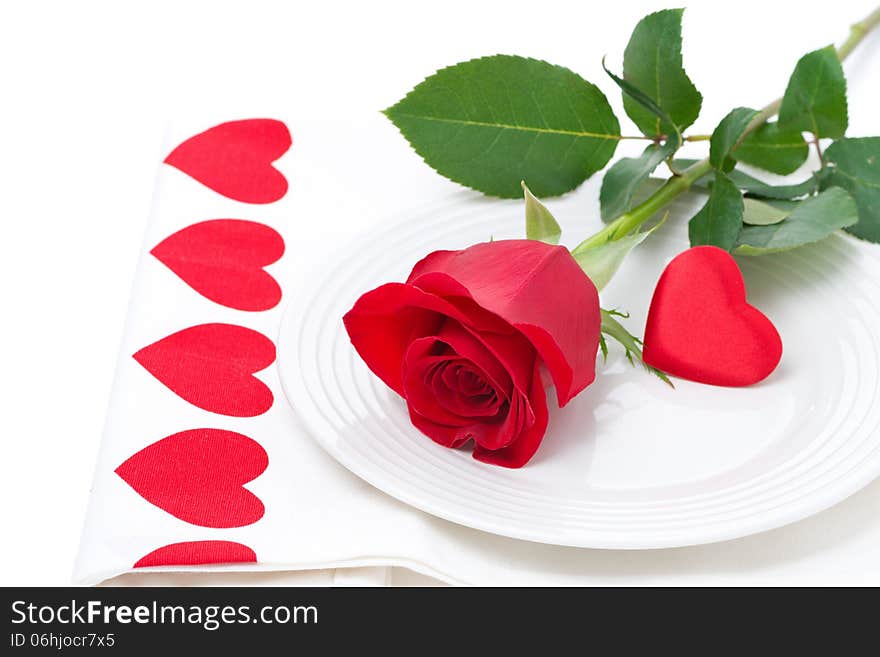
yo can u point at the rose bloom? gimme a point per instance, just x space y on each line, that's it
466 339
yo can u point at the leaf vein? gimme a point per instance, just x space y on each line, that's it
507 126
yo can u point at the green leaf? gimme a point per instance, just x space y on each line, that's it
666 126
785 206
726 135
489 123
625 177
601 262
647 188
652 62
758 213
719 221
773 149
813 219
540 224
754 187
630 343
855 166
644 190
815 99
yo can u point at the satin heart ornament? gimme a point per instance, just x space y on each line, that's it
700 326
235 159
198 476
223 260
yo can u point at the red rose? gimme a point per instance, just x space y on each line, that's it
464 339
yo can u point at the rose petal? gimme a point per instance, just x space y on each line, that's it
538 288
479 318
480 431
442 434
474 400
517 358
434 261
469 384
515 354
521 450
428 364
518 416
512 423
419 367
384 321
472 346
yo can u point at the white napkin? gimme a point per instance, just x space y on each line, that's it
320 520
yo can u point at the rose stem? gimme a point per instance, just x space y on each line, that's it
677 184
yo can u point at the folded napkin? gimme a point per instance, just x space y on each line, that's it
204 467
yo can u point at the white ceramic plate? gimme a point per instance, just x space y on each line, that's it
629 463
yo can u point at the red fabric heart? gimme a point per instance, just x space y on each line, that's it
235 159
195 553
700 326
212 366
198 476
223 260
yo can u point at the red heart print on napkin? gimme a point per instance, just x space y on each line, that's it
223 260
198 476
700 326
196 553
235 159
212 366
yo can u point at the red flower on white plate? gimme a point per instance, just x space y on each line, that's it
466 338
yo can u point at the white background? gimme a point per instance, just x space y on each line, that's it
87 88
